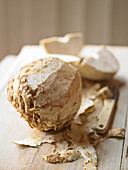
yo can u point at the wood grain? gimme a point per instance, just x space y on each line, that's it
124 162
14 128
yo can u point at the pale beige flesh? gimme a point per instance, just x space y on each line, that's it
69 44
98 64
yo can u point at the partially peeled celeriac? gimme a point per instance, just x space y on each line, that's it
47 93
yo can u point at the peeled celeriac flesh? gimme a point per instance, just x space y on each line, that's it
98 63
69 44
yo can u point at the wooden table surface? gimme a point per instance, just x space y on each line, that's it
112 153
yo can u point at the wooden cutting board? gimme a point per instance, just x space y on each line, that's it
112 153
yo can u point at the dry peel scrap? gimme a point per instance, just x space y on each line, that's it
88 152
89 93
116 133
113 133
92 102
89 121
62 156
90 118
78 146
36 141
76 133
84 110
91 86
64 152
80 141
104 92
87 106
61 146
73 144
